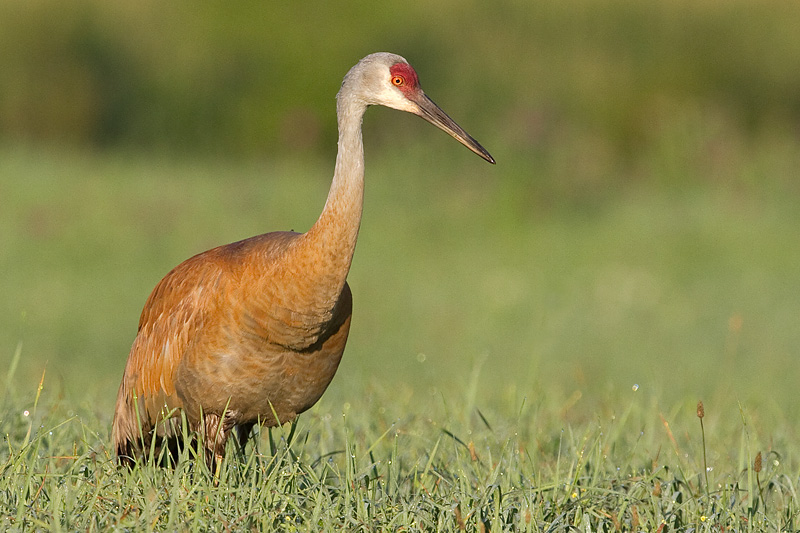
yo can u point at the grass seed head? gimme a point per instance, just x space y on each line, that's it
657 489
472 453
701 412
634 517
459 519
757 463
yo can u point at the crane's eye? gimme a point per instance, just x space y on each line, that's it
398 81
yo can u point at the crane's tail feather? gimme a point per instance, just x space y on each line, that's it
136 434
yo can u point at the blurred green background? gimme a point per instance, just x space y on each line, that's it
641 226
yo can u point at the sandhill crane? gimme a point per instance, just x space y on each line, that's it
253 331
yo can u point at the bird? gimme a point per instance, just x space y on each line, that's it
253 332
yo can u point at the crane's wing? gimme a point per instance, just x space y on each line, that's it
174 315
182 313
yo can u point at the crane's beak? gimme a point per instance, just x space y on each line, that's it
431 112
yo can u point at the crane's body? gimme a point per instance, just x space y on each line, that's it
253 331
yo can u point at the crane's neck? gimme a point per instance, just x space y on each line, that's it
326 250
341 216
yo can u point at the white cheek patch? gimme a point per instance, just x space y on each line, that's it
392 97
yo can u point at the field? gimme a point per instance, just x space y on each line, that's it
523 368
530 340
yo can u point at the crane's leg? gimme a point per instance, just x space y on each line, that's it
243 433
215 432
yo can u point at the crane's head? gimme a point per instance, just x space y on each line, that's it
388 80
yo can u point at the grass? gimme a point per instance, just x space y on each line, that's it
513 363
379 465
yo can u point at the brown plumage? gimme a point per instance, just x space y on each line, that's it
253 332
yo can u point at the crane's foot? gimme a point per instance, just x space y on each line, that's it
215 432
